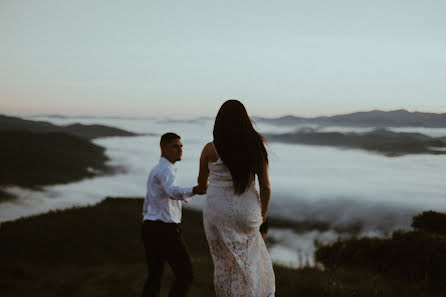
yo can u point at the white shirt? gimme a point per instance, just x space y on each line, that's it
163 197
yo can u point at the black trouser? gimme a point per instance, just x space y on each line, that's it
163 242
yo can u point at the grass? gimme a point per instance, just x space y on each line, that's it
97 251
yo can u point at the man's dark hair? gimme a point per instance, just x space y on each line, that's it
168 137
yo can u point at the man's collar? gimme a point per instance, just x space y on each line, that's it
164 160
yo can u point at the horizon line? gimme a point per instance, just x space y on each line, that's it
204 117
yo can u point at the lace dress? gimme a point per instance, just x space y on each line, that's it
242 266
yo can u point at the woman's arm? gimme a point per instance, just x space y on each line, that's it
203 174
265 189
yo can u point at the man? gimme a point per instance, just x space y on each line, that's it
161 233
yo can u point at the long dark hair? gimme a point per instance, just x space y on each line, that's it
239 145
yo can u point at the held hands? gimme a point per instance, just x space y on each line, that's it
197 190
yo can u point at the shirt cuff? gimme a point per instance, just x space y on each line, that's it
188 194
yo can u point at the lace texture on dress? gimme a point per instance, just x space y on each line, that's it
242 266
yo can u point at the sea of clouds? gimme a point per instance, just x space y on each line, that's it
350 192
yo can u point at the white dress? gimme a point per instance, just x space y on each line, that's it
242 266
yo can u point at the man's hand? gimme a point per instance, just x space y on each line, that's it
198 191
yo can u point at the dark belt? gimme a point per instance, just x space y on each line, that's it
158 222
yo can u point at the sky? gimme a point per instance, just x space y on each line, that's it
185 58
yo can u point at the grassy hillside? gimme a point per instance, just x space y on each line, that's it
97 251
416 256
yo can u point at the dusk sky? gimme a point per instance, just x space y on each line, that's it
185 58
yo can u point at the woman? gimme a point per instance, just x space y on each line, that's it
234 211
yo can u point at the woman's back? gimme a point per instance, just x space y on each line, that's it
231 221
233 211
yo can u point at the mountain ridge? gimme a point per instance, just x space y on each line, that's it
373 118
382 141
9 123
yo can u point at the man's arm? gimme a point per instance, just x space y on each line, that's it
167 181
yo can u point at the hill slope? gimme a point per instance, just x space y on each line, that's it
381 141
31 160
374 118
8 123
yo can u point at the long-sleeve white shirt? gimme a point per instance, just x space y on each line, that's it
164 196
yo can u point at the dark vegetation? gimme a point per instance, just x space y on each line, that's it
8 123
431 222
5 195
31 160
96 251
413 256
380 140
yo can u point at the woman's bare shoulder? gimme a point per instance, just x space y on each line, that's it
209 151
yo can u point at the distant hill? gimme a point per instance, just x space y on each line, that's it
32 160
36 153
8 123
374 118
380 140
